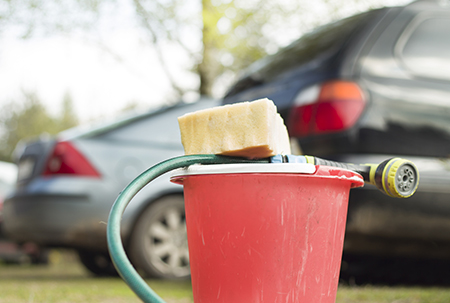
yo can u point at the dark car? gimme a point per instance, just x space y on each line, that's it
362 90
67 185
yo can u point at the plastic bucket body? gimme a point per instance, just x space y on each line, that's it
266 236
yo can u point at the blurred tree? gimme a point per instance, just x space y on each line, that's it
29 119
68 117
232 39
130 106
218 37
231 34
30 17
225 37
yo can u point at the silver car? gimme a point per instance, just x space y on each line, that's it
67 185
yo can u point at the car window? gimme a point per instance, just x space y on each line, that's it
425 48
323 41
159 128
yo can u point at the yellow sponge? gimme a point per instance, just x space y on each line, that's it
248 129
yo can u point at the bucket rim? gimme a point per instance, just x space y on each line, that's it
244 168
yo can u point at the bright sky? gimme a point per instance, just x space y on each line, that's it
99 84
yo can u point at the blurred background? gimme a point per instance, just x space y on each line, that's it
354 83
71 62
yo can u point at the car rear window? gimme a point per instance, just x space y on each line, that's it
320 43
425 48
160 128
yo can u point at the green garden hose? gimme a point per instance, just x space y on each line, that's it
115 246
395 177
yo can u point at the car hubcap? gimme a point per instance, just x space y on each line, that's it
168 243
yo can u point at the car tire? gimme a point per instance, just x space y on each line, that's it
98 263
40 258
158 245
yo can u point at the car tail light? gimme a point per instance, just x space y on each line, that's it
67 160
325 108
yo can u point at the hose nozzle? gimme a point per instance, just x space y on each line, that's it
396 177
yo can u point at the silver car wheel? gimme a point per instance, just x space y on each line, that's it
167 243
159 241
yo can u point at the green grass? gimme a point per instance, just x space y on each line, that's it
66 281
370 294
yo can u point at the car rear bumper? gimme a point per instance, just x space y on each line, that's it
413 227
57 220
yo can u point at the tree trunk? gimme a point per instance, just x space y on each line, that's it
206 68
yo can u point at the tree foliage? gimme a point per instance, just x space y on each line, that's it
30 17
232 39
219 37
67 118
29 119
223 37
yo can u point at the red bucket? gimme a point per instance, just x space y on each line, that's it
265 232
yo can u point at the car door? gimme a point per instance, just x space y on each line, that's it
406 74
